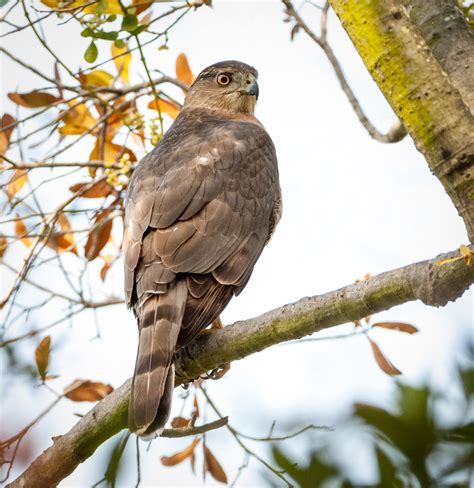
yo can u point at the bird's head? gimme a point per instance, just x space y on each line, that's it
228 85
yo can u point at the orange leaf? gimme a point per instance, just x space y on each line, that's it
64 241
87 391
97 190
3 245
107 264
112 152
99 236
77 120
384 363
122 62
16 183
211 464
196 407
179 422
400 326
21 231
7 121
33 99
183 71
166 107
141 6
42 356
180 456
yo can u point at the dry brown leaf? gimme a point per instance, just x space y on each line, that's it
384 363
33 99
61 242
183 71
166 107
3 143
400 326
42 356
141 6
179 422
211 465
87 391
122 62
7 121
108 258
99 237
3 245
196 407
16 183
21 231
181 455
98 190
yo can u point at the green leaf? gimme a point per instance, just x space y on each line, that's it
129 23
91 53
120 43
111 18
108 36
3 3
113 465
87 32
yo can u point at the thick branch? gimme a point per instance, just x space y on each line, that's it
450 39
426 281
421 93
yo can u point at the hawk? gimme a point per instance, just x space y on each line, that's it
200 208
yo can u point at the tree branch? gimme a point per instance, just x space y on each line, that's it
420 92
428 281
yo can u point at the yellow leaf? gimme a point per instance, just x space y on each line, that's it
42 356
122 62
180 456
21 231
16 183
87 391
466 253
183 71
77 120
97 77
166 107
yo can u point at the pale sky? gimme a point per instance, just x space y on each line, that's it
351 206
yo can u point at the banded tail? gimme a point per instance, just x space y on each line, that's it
160 318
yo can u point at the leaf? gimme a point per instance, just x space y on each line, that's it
99 236
3 245
466 253
183 71
179 423
87 391
112 153
115 459
141 6
77 120
91 53
95 78
107 264
61 242
3 143
33 99
129 23
122 61
7 125
16 183
42 356
100 189
179 457
400 326
21 231
166 107
384 363
211 464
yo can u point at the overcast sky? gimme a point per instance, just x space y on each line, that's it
350 206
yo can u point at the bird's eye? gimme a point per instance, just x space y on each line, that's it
223 80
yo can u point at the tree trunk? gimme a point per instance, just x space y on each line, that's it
432 105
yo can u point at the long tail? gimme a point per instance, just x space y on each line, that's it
160 319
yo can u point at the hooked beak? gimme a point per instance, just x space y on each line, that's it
252 89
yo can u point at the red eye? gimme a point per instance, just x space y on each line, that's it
223 80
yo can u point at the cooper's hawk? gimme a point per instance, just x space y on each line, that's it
200 208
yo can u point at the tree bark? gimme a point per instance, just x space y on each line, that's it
423 95
428 281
